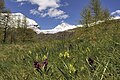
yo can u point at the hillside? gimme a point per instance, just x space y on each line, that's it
78 32
17 20
79 54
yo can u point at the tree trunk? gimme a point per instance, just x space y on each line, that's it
5 31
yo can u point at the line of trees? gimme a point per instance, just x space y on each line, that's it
93 13
9 31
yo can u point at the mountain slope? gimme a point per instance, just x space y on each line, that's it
116 14
65 26
60 28
78 31
30 22
18 18
89 51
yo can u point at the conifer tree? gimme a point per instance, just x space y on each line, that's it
4 19
6 26
1 10
86 17
24 23
93 13
106 14
96 10
2 5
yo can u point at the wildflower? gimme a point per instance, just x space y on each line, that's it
72 68
30 52
36 65
43 65
66 55
82 68
61 55
44 57
90 61
92 66
70 47
37 56
45 62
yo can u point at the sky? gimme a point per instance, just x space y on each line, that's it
50 13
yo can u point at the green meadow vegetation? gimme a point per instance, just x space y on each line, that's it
84 53
90 54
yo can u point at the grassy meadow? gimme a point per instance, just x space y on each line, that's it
91 53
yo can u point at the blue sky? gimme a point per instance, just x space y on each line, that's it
50 13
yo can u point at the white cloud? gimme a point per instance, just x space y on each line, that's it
58 14
52 12
47 8
44 4
34 12
62 16
21 0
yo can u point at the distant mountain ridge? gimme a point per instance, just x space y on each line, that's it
116 14
18 18
34 25
59 28
65 26
30 22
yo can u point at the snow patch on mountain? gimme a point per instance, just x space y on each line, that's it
18 18
30 22
15 17
60 28
116 14
65 26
